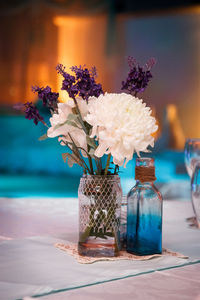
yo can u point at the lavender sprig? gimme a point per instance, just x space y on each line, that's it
31 112
83 84
49 98
138 77
68 83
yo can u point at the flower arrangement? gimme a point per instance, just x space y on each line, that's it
91 125
94 123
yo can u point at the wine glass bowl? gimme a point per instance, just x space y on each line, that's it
195 192
192 163
192 154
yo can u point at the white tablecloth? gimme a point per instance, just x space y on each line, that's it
30 265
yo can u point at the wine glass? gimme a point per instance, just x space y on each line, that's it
192 158
192 154
195 191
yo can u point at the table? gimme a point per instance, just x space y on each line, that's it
30 264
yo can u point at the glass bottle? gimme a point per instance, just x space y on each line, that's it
144 211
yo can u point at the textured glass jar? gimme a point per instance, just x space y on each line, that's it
144 213
99 215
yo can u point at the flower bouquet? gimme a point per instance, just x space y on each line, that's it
100 132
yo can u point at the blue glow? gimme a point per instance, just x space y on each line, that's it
30 167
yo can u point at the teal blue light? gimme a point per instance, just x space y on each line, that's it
29 167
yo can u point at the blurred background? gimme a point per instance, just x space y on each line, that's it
37 35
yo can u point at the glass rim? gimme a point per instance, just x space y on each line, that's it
100 176
144 158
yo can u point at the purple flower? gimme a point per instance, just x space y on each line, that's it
138 77
30 110
83 84
49 98
68 82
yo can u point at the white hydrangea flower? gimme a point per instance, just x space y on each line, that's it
122 125
78 135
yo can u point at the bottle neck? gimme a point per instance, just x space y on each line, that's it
144 183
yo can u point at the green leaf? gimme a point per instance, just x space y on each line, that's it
64 156
72 117
68 122
43 137
75 149
72 159
72 120
71 123
91 142
70 162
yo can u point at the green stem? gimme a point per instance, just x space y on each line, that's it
98 164
107 164
45 124
90 163
86 131
80 117
84 165
116 167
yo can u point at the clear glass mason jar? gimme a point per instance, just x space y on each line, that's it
144 212
99 215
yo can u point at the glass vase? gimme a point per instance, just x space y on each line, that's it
99 215
144 214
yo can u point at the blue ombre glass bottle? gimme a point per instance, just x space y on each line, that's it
144 211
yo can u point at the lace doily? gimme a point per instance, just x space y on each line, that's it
72 250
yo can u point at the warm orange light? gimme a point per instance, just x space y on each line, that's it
66 49
72 43
176 132
81 41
